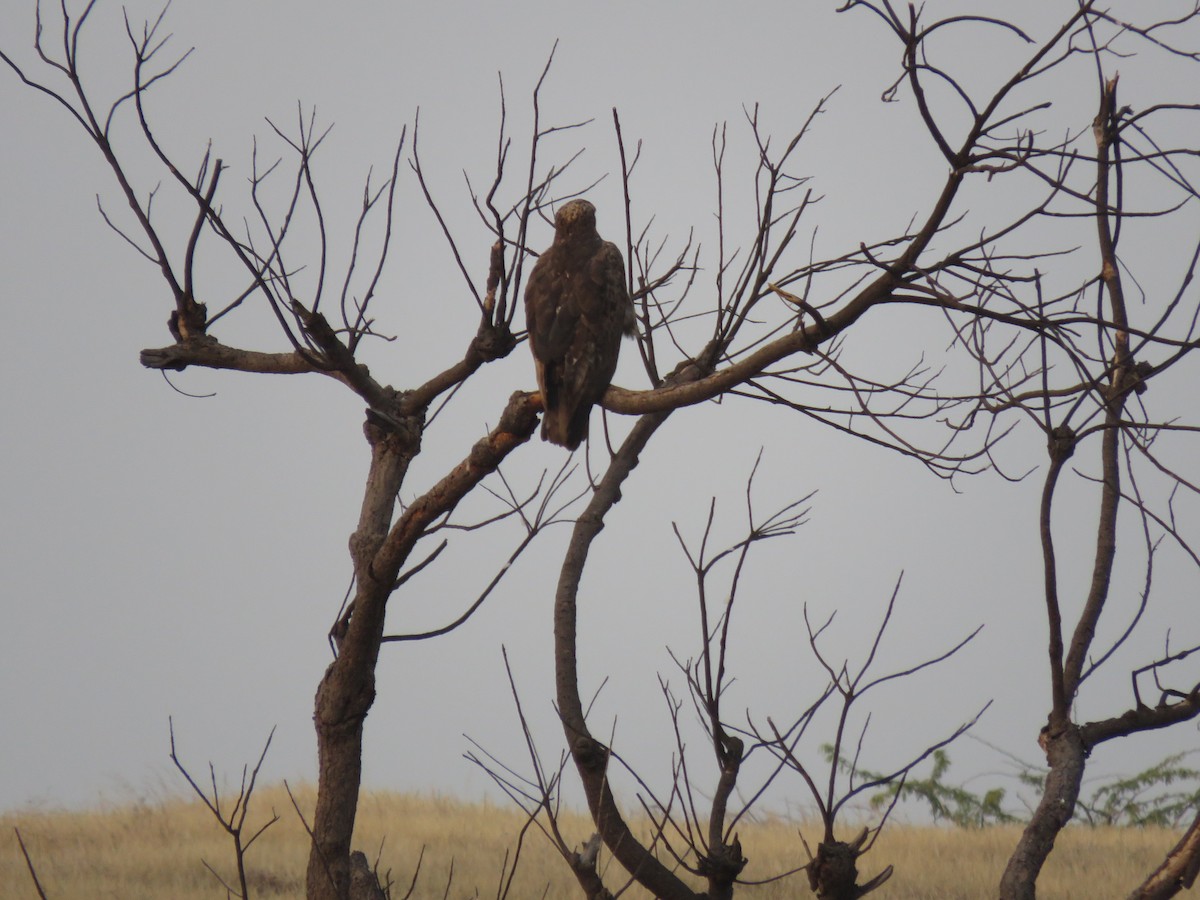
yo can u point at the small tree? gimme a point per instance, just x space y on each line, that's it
1042 339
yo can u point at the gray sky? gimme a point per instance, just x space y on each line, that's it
164 555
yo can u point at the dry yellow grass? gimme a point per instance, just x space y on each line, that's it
154 851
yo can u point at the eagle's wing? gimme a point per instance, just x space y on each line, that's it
611 309
550 315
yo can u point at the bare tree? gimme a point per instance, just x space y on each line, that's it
232 819
1044 337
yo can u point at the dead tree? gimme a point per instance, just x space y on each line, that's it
1084 372
694 826
1036 345
1072 362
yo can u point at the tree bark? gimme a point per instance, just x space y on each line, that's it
379 549
347 689
591 757
1178 871
1066 755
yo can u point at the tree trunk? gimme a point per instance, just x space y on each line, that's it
591 756
379 548
1065 754
1178 871
347 689
343 699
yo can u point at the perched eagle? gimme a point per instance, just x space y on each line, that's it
576 308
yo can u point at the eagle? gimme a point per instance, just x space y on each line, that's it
577 307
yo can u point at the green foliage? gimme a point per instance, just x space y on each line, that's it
1166 794
947 802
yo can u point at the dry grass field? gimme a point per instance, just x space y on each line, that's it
154 852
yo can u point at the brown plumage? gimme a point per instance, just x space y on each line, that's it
576 309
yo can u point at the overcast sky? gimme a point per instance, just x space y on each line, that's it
165 555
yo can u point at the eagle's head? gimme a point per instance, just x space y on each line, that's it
576 217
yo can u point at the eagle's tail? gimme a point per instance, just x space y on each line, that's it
565 426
